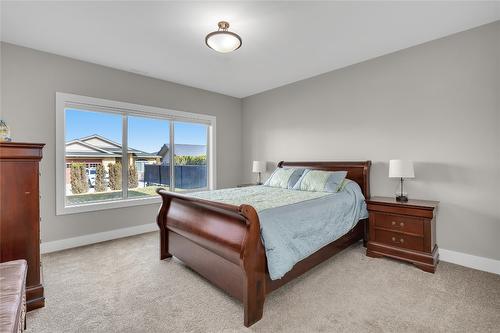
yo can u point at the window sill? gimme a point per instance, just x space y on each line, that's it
96 206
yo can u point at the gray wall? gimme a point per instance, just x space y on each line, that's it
436 103
29 81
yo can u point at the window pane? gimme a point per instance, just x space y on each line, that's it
190 156
148 155
93 155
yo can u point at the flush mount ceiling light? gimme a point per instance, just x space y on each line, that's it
223 41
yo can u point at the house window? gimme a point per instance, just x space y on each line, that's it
113 154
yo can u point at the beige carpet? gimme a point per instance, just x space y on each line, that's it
122 286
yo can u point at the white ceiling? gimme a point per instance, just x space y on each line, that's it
283 42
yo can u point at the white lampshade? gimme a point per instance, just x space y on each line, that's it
259 166
401 169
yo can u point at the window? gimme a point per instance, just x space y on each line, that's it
149 142
113 154
91 139
190 156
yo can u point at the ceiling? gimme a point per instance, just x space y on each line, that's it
283 42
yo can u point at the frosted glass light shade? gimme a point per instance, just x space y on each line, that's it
401 169
259 166
223 41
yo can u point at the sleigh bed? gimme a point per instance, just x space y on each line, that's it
222 242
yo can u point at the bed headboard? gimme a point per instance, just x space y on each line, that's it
356 171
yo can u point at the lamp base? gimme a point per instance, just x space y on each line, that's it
401 198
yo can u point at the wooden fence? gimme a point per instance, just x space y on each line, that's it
186 176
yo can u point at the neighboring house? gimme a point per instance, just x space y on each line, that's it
95 149
181 150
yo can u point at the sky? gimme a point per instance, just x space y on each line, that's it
146 134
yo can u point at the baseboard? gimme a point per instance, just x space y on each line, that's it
469 260
454 257
69 243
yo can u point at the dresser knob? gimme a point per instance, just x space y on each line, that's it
393 239
393 222
27 192
402 240
402 224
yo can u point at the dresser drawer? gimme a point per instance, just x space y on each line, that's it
399 240
399 223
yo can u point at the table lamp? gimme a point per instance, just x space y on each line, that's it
259 167
401 169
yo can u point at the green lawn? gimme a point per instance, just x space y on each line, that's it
111 195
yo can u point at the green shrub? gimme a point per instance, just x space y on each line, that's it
100 178
133 180
190 160
115 176
75 178
84 178
78 178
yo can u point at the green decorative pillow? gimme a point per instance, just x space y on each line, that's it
320 181
284 177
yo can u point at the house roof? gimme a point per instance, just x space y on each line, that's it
98 146
184 150
101 139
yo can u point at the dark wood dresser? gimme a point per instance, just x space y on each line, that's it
20 213
404 231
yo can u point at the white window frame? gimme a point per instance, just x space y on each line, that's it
64 100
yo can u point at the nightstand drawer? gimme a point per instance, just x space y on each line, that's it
399 240
399 223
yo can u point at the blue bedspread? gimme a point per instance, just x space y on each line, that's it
293 232
295 224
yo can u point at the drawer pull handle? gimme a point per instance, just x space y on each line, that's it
393 222
402 224
401 240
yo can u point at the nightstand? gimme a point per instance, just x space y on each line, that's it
404 231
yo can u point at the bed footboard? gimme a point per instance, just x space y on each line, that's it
219 241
